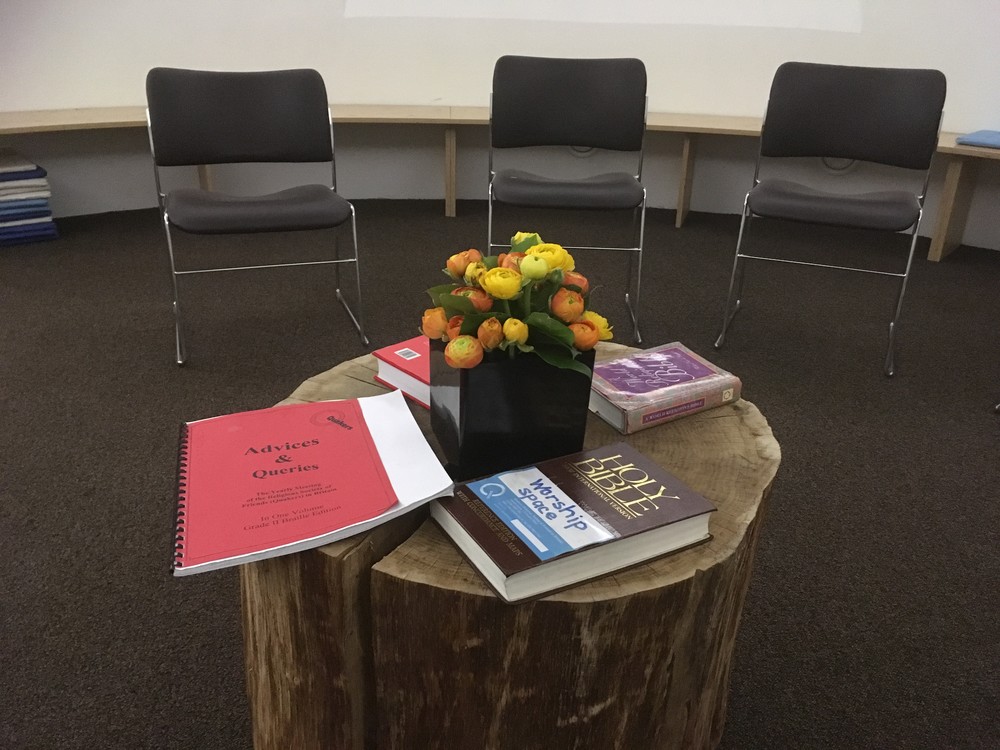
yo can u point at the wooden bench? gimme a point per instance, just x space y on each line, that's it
953 209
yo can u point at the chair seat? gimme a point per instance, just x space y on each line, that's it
603 191
304 207
891 210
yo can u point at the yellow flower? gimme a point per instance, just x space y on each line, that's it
555 255
601 322
523 240
501 283
515 330
473 271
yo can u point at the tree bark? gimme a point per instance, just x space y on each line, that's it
640 658
417 652
307 635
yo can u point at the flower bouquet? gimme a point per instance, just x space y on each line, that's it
512 352
528 301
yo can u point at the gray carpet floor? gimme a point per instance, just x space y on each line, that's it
871 620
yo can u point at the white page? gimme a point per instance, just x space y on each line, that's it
414 470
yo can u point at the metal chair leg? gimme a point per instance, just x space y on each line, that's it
178 330
633 310
890 365
737 273
489 220
357 271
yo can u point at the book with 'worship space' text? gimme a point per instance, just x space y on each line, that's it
543 528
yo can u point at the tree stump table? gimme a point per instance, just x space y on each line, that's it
391 640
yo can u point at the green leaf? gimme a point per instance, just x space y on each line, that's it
559 357
522 245
455 304
436 291
551 327
491 261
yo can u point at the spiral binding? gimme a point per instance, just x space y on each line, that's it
182 472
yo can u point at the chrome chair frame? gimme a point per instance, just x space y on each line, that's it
734 302
638 227
336 262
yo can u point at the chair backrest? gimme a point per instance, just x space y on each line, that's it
885 115
210 117
590 103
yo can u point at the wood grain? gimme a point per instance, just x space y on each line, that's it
953 209
636 659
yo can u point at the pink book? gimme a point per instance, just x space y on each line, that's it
263 483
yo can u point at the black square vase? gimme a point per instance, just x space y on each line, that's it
505 412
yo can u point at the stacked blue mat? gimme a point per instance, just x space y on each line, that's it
25 213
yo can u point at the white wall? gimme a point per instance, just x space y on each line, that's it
80 53
708 58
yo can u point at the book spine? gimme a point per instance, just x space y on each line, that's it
179 521
722 391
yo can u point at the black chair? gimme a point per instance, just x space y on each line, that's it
887 116
577 104
200 117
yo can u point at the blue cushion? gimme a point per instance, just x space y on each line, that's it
987 138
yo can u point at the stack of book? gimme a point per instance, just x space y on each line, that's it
25 213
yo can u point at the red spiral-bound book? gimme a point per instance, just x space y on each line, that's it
263 483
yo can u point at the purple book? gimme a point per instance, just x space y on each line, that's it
657 385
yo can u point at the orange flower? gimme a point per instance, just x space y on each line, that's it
585 334
510 260
458 262
463 352
572 278
454 326
479 299
567 305
434 323
603 328
490 333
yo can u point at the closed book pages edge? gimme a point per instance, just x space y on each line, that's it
270 482
658 385
406 366
537 530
